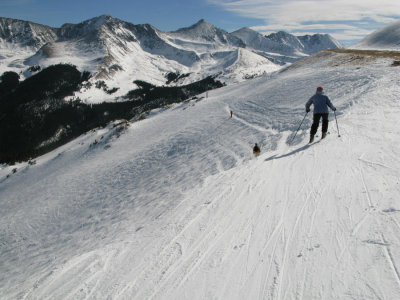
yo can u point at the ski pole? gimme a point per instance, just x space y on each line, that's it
299 127
337 124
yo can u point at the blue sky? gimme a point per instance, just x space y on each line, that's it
346 20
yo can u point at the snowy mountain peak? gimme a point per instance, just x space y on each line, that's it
317 42
202 26
257 41
203 23
68 31
306 44
205 31
95 22
25 33
247 34
285 38
387 38
285 43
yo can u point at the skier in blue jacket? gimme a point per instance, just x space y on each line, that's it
321 103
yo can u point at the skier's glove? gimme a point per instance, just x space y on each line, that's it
307 110
334 109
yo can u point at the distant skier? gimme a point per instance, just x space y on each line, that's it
321 103
256 149
231 113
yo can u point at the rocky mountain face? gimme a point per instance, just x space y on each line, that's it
25 34
317 42
286 43
257 41
120 52
282 47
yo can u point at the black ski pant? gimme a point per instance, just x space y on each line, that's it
315 124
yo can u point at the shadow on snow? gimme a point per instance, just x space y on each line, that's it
302 148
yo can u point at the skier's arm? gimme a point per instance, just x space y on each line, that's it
308 104
329 103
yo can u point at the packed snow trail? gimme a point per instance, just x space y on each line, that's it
179 208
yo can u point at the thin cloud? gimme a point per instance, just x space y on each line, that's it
346 20
307 27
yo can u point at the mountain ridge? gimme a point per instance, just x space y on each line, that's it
121 52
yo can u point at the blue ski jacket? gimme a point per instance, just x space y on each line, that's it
321 103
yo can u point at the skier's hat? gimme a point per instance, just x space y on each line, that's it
319 89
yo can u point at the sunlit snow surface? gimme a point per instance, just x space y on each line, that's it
178 207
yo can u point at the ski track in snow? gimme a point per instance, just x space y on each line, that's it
177 207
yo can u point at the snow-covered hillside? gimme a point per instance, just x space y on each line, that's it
120 52
387 38
177 207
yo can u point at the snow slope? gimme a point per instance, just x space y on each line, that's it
387 38
177 207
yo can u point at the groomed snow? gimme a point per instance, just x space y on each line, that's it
178 207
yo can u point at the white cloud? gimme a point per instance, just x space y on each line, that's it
344 19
